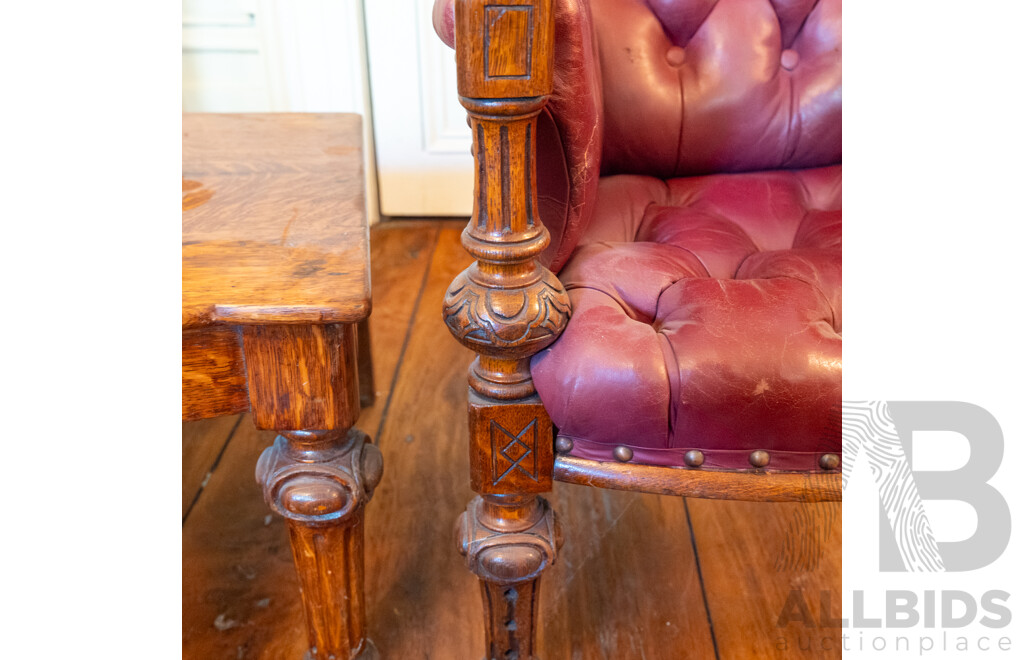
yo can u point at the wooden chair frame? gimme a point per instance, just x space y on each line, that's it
507 307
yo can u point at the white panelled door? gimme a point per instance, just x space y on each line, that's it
423 144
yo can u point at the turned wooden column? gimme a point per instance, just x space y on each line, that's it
318 474
506 307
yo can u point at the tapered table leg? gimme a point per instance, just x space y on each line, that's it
320 481
302 378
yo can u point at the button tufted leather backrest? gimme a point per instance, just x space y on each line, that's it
705 86
677 88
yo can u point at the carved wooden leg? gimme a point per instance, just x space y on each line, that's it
509 534
304 377
320 481
508 540
506 307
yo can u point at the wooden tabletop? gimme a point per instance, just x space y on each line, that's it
273 220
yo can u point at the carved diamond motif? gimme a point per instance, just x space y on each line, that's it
513 451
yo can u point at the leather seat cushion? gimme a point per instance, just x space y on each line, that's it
707 314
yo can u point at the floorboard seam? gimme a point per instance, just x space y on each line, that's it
405 341
213 467
700 577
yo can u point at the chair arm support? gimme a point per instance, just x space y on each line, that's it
571 126
506 306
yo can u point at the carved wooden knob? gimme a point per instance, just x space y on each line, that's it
308 495
325 492
507 557
373 467
508 563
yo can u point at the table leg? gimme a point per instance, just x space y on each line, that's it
318 474
320 481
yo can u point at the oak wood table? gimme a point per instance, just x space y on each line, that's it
275 280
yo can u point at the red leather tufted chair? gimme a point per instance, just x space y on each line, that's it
685 159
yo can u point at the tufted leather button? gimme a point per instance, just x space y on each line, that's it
790 58
675 56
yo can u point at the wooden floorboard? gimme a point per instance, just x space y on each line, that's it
751 563
202 443
239 590
400 253
419 596
627 583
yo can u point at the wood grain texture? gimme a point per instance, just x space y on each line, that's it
511 448
416 582
626 583
273 221
508 541
772 550
274 258
502 48
367 388
212 373
302 377
506 306
240 593
758 486
202 442
510 608
320 482
400 256
335 617
507 55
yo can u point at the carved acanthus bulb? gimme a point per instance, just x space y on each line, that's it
510 323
